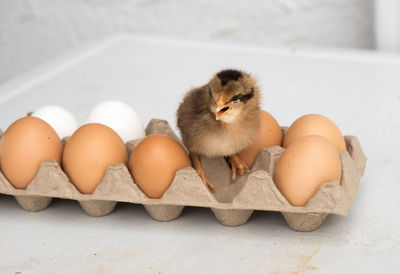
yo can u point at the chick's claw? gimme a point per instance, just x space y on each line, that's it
237 165
206 182
200 171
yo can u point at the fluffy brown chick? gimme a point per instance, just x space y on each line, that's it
220 118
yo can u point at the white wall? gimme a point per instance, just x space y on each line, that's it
34 31
387 25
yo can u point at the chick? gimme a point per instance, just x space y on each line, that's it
220 118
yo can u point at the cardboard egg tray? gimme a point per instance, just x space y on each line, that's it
231 203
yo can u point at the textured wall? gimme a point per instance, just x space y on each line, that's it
34 31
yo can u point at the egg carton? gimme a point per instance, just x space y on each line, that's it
231 203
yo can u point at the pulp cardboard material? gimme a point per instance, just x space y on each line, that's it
231 203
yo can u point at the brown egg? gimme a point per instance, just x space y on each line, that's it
88 153
314 124
25 144
270 135
154 162
304 166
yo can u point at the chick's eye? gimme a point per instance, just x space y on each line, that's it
236 98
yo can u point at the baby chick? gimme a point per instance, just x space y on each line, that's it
220 118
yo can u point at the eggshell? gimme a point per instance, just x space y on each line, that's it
154 162
25 144
88 153
62 121
315 124
270 135
119 116
306 164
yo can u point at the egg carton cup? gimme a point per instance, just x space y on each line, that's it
231 203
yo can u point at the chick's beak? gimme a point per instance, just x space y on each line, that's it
221 108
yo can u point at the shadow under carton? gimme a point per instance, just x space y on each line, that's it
231 203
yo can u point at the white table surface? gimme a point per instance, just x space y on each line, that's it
360 91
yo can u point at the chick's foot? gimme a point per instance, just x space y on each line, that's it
237 165
200 171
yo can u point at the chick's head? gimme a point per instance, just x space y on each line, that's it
233 94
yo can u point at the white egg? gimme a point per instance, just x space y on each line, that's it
119 116
60 119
